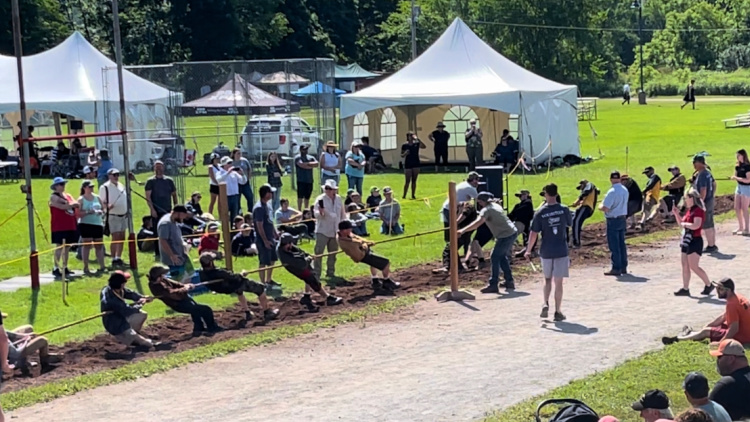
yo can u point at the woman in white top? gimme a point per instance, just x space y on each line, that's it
330 163
213 185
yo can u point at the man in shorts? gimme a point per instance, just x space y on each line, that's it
265 232
734 323
705 184
358 250
115 200
305 163
552 222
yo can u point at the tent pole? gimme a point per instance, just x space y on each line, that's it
23 134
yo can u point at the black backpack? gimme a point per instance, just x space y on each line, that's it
575 411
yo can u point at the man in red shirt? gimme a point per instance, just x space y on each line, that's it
734 323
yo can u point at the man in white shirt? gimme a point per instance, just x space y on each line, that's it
329 212
626 94
114 198
465 191
233 177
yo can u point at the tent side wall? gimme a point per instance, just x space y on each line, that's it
549 121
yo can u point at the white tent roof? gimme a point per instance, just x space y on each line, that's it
459 68
69 79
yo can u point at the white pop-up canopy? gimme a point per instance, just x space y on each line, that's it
460 69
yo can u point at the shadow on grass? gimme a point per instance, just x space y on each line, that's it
34 304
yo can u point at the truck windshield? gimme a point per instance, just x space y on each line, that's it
263 126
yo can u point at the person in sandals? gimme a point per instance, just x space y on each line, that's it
358 250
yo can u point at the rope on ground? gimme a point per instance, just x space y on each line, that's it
12 215
64 326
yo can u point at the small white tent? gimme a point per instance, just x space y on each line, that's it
460 69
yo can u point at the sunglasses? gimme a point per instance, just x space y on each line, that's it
115 174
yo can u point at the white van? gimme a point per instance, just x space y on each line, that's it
282 134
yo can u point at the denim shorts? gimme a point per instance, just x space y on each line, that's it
743 190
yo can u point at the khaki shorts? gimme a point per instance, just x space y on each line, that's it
556 267
117 224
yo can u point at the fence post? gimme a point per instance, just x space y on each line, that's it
226 227
455 260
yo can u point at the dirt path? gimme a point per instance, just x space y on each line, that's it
442 362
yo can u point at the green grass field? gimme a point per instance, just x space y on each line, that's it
659 134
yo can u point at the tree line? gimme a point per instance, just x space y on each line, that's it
590 43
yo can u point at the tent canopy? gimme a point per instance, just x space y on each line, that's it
238 96
280 78
71 79
352 72
461 69
316 88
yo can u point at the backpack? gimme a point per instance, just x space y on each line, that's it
575 411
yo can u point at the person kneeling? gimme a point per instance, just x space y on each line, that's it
358 250
23 343
175 296
243 243
299 264
228 283
122 320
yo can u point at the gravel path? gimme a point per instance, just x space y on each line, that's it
440 362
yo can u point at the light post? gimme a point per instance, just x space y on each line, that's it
638 5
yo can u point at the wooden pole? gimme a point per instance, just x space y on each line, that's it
226 227
454 259
64 281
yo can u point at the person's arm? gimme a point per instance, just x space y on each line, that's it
421 144
473 226
396 214
469 132
212 174
342 212
530 245
240 176
404 150
175 200
731 331
703 192
262 232
163 233
696 224
431 137
149 189
60 203
318 211
607 202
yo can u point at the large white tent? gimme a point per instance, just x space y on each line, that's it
460 69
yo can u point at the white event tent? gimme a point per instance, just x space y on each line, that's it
460 69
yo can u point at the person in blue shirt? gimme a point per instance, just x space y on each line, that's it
103 163
615 208
355 167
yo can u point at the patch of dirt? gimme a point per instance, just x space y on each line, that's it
103 352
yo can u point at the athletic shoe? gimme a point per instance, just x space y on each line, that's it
197 333
509 286
682 292
333 300
707 290
686 330
377 285
57 273
559 317
491 288
668 340
270 314
545 311
390 284
307 302
69 273
613 273
711 249
215 329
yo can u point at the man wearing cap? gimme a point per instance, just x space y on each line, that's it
705 184
474 145
676 189
653 406
635 197
299 264
63 225
89 173
305 163
114 200
585 204
696 391
523 213
506 151
552 222
329 212
466 191
390 213
651 194
265 232
243 243
615 208
505 234
412 163
358 250
161 193
733 388
122 320
440 138
171 246
231 283
233 177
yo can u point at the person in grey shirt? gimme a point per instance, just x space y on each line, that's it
705 184
696 392
390 212
615 208
246 189
171 247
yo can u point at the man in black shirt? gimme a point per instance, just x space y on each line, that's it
732 391
676 189
410 154
161 193
523 212
440 138
635 197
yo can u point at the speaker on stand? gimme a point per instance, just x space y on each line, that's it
491 181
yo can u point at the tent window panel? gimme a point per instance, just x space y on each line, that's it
388 135
456 122
361 126
513 125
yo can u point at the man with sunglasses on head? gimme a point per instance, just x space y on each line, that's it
114 198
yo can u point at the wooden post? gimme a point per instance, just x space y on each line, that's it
226 226
64 281
455 261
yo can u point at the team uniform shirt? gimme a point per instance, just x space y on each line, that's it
588 196
653 188
552 221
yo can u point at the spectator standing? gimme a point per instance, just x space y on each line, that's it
274 170
675 189
653 406
586 202
115 201
305 163
171 247
440 138
522 213
615 208
390 213
474 145
161 193
689 95
355 167
91 225
213 185
733 388
63 225
330 163
412 163
89 173
742 193
6 368
696 391
552 222
266 235
625 94
706 187
233 177
692 243
246 189
103 163
124 321
329 212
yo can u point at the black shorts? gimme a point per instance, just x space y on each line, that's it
375 261
266 256
304 190
441 154
695 246
213 189
69 237
308 276
483 235
91 231
251 286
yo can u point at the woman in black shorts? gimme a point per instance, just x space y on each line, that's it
213 185
91 225
692 242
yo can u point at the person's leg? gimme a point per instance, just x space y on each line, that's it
577 225
299 202
407 181
437 159
746 212
214 197
506 245
100 254
85 247
386 271
738 212
320 245
414 184
277 199
613 244
694 261
360 182
696 336
558 294
547 290
188 306
269 270
262 267
495 265
118 244
623 248
57 255
136 321
685 271
332 245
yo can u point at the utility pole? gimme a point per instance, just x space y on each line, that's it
638 4
413 31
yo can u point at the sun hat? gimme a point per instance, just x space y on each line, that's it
330 184
225 160
57 181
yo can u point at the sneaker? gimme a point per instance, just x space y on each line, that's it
686 330
69 273
307 302
57 273
270 314
613 273
711 249
491 288
509 286
707 290
197 333
377 285
559 317
682 292
545 311
333 300
215 329
669 340
390 284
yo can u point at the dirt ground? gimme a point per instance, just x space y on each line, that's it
102 352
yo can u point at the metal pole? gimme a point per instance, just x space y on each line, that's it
640 38
23 135
132 255
413 32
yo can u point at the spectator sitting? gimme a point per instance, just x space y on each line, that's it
348 199
195 212
390 212
289 220
210 241
653 405
692 415
247 218
522 214
373 202
696 392
356 199
146 238
358 220
733 389
506 152
308 220
243 243
23 343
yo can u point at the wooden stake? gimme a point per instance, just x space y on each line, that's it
64 281
455 260
226 227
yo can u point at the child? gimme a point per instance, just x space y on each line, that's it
243 243
210 239
146 239
373 201
358 250
357 219
298 263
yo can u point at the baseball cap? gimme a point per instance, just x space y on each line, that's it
374 189
113 171
286 239
157 271
473 176
207 258
673 168
266 188
699 159
179 208
86 183
696 384
614 175
725 283
87 169
225 160
387 189
583 184
485 196
158 162
213 156
522 192
647 169
653 399
345 224
729 347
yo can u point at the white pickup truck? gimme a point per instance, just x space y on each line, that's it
282 134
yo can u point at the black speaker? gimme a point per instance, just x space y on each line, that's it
76 125
492 180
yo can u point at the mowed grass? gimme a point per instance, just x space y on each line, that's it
659 134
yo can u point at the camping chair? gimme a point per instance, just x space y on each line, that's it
187 166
